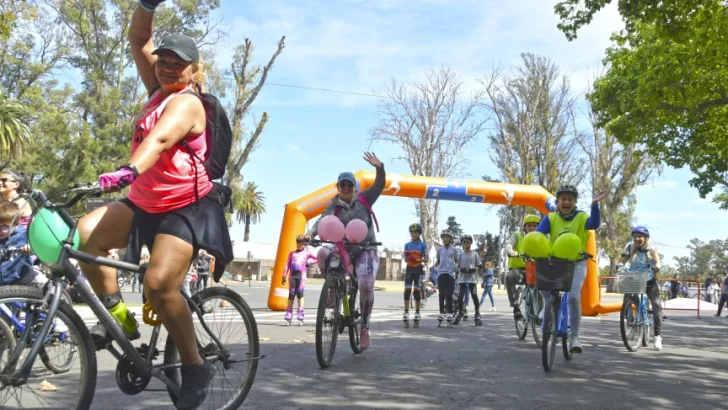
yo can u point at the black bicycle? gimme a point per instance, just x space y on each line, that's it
136 366
337 307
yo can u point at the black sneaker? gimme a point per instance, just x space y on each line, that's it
517 313
194 387
100 336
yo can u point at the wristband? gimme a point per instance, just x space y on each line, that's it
146 7
131 168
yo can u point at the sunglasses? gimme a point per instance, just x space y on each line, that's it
346 184
6 180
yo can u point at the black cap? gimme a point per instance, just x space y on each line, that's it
181 45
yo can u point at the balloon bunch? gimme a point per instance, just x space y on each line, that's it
332 229
567 246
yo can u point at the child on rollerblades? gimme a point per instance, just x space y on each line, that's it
447 256
415 253
469 263
298 262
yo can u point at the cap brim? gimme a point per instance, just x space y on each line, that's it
180 54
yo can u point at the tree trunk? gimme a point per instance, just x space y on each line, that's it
246 236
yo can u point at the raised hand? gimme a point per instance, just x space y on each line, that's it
598 197
372 159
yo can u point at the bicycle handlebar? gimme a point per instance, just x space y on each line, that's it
318 242
5 253
80 191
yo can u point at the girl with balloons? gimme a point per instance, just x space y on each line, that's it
349 213
298 262
569 219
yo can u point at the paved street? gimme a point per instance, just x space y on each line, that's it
465 367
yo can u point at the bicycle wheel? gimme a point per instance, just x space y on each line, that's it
355 320
536 306
58 337
327 317
629 326
548 347
222 310
75 390
522 323
565 348
7 342
646 334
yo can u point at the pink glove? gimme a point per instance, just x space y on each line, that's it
116 179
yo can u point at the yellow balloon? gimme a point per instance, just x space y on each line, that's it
567 246
536 245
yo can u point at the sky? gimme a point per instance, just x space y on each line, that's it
358 46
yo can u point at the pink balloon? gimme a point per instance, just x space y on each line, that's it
333 230
356 230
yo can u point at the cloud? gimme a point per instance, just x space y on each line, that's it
293 147
360 46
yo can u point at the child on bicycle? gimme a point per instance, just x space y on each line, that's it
516 264
568 218
447 256
16 268
468 263
640 256
298 262
415 253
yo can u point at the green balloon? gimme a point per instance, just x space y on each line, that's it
46 234
568 246
536 245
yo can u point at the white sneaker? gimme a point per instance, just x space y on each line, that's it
575 345
540 314
440 317
449 317
492 309
658 343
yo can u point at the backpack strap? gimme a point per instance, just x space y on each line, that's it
366 204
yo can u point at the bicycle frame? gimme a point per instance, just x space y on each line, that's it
63 268
562 321
13 320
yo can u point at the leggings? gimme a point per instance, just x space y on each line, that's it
446 286
470 288
653 292
487 291
367 266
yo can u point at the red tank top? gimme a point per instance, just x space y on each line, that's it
170 183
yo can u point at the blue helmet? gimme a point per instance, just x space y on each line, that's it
642 230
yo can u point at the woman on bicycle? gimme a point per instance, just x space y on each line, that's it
12 188
172 204
347 205
568 218
640 256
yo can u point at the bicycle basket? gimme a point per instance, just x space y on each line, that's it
530 273
554 274
632 282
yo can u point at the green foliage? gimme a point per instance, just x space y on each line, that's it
490 245
453 228
250 207
14 129
706 259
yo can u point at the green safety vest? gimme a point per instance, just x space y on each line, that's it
518 263
577 226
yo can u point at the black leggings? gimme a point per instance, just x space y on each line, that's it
446 286
653 293
473 294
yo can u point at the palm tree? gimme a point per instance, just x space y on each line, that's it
250 207
14 128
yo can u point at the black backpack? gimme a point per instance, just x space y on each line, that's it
219 136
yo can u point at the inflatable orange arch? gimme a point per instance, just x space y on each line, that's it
298 212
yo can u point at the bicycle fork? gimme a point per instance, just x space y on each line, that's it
563 326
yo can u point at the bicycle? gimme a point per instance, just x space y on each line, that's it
136 365
338 289
555 276
530 303
635 317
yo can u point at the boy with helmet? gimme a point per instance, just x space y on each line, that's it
447 256
415 253
469 263
568 218
516 265
642 257
298 262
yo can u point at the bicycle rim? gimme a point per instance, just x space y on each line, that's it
629 327
535 321
75 388
354 322
548 347
565 348
522 323
226 314
327 331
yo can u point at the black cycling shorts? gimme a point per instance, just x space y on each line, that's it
412 277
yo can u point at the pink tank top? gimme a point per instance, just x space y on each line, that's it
170 183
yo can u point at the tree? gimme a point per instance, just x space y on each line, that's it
532 138
617 170
14 129
247 83
453 228
667 92
252 207
432 122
